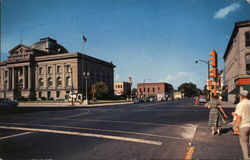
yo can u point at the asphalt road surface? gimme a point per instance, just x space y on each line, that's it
161 130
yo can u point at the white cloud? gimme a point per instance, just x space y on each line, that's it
248 1
225 11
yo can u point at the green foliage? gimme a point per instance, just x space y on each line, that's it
102 91
134 90
189 89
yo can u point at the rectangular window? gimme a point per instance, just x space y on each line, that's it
247 36
39 94
48 94
148 89
20 72
49 69
248 69
5 74
68 69
58 69
144 89
140 89
40 70
153 89
248 64
57 94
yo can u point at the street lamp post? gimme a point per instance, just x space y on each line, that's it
86 76
208 67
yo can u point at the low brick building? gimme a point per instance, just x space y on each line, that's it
153 89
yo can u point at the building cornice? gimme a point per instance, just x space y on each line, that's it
234 33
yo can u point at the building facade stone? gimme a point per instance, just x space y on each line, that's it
237 60
47 69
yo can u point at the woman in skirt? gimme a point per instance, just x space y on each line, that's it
215 118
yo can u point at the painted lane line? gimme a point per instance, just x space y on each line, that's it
85 134
189 154
72 116
100 120
96 129
15 135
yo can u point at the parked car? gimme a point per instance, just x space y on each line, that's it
138 100
6 102
170 98
145 99
152 99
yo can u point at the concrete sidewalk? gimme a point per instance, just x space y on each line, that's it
228 105
207 146
225 146
23 104
223 104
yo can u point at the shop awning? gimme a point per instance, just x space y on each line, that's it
247 87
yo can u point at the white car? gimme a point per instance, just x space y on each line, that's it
203 100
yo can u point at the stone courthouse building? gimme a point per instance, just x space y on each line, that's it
237 60
47 69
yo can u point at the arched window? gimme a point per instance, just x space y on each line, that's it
68 81
5 84
40 82
247 36
248 64
20 84
59 82
50 82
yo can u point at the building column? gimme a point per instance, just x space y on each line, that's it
54 75
24 78
29 77
63 76
13 78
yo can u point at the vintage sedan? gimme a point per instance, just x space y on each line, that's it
6 102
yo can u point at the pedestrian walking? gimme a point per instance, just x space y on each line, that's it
242 123
196 101
215 115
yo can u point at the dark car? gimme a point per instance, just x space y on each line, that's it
138 100
6 102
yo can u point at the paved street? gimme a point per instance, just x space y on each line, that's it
161 130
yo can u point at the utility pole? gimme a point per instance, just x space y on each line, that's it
86 76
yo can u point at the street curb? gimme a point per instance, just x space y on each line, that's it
51 105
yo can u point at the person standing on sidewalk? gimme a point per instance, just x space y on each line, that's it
215 120
242 123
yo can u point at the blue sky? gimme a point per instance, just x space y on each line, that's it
157 40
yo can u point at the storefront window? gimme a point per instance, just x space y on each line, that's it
248 64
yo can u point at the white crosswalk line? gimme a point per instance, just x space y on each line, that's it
85 134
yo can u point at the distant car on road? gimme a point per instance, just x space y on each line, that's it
138 100
203 99
152 99
6 102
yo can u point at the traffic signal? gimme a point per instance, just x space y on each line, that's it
213 58
209 85
213 73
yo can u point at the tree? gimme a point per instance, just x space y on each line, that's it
102 91
134 91
189 89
